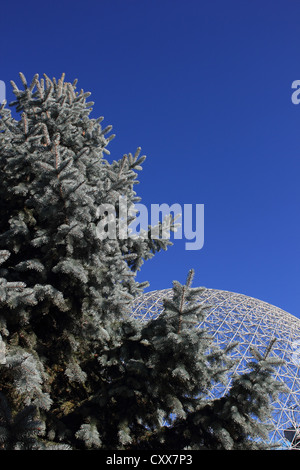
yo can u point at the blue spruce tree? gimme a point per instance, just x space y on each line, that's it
76 370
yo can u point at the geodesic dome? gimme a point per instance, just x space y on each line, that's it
235 317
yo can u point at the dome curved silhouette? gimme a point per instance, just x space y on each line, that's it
233 317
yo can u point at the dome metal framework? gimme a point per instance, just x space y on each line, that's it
233 317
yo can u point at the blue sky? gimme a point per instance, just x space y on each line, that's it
204 87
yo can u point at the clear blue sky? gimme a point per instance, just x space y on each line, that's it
204 87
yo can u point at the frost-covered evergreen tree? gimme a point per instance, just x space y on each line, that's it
76 371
